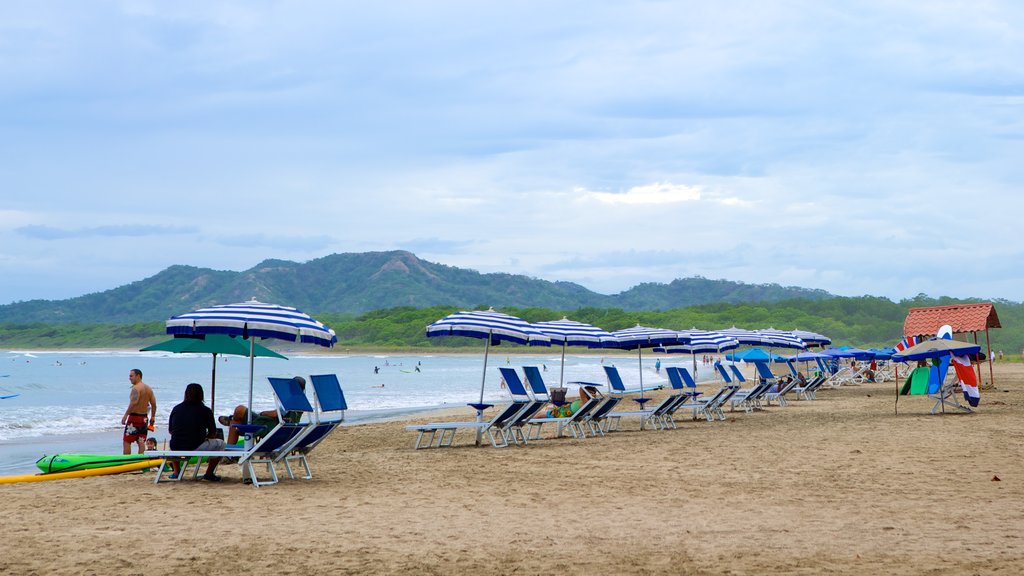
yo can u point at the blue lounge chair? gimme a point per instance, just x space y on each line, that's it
495 428
541 398
711 407
681 380
329 413
281 438
723 373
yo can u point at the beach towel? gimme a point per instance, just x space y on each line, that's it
968 380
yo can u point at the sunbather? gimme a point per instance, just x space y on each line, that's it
267 418
566 410
192 428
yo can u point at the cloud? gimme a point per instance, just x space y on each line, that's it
656 193
277 241
42 232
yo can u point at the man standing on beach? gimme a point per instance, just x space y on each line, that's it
140 401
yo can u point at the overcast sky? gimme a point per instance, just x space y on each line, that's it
856 147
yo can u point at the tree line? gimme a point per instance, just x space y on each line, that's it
863 322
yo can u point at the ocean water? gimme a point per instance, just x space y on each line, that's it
72 402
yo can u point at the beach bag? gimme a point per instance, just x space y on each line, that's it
558 395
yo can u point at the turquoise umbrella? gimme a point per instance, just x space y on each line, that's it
211 344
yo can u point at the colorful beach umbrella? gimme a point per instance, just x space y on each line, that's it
572 333
211 344
251 320
495 327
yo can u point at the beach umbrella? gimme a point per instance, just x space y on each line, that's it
572 333
743 336
211 344
752 355
251 320
812 339
640 337
781 339
936 348
495 328
701 342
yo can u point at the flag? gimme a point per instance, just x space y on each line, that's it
908 342
968 379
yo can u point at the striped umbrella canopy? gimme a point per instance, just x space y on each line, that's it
781 339
701 342
572 333
495 327
743 336
640 337
812 339
252 320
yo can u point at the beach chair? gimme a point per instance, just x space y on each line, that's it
541 398
749 398
737 376
616 385
329 413
597 421
723 373
289 397
944 393
681 379
573 422
495 428
765 373
653 416
711 407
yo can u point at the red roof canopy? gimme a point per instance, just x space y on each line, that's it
962 317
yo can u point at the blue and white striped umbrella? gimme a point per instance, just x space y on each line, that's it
812 338
253 320
640 337
572 333
493 326
701 342
743 336
781 339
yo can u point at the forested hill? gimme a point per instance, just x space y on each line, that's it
354 283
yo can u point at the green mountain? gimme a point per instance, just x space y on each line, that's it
353 283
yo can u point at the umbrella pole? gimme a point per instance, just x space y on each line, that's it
252 356
561 377
213 384
483 378
640 359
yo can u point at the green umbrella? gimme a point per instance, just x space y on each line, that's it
211 344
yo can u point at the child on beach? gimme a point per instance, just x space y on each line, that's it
150 444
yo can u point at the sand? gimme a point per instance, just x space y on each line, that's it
837 485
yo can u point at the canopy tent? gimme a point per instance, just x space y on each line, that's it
963 318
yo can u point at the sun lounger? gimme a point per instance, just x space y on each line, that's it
281 438
711 407
573 422
541 398
495 428
329 413
681 380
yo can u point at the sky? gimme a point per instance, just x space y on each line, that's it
862 148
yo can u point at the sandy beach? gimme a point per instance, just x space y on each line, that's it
838 485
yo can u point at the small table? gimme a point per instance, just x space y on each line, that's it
248 431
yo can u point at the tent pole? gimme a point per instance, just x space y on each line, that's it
213 384
991 375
